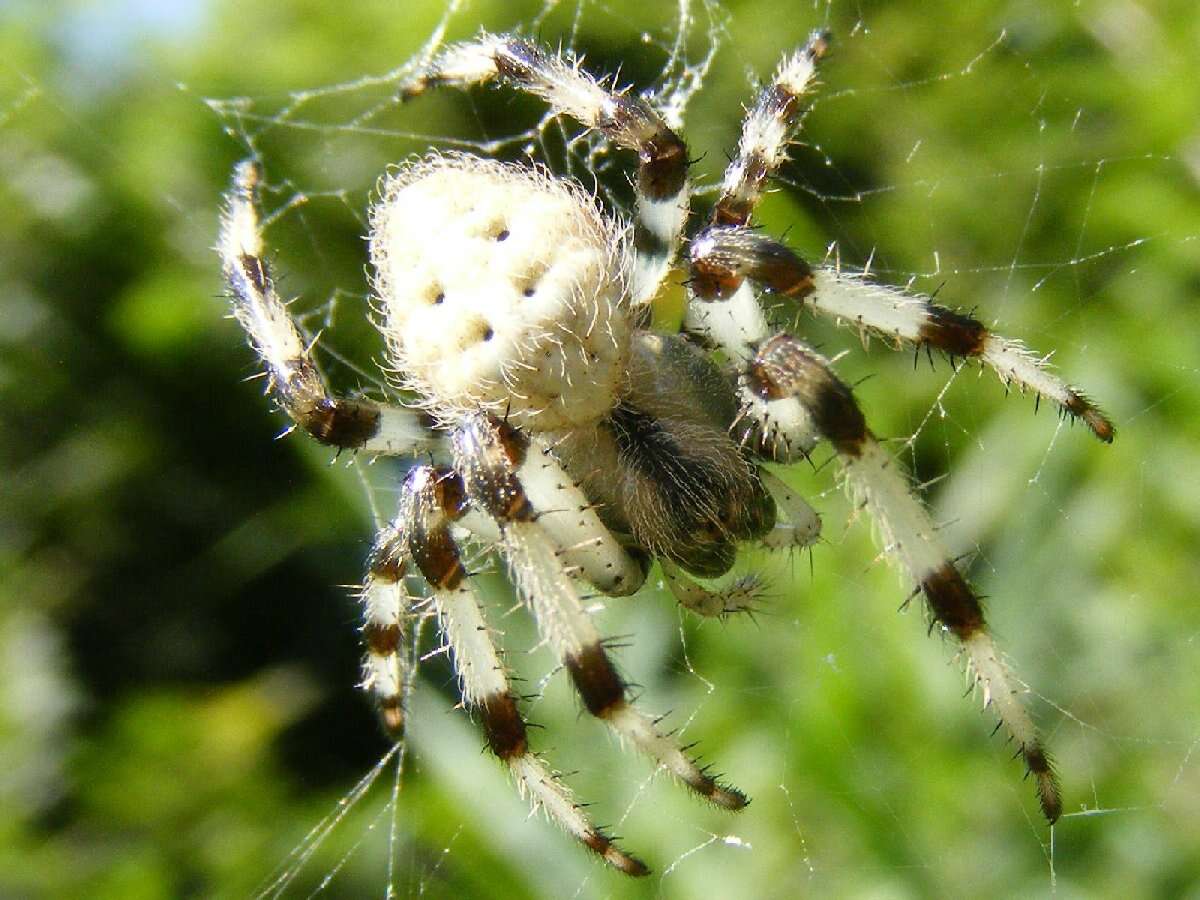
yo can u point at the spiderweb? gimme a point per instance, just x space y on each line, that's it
840 718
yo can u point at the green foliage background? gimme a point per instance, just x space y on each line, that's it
177 658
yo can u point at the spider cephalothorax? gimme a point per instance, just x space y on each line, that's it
582 446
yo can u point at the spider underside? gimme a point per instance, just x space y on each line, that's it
581 444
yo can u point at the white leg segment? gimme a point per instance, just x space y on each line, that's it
569 520
660 225
475 657
543 583
399 431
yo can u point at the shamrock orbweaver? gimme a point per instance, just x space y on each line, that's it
582 445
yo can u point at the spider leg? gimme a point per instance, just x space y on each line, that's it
387 610
298 386
432 499
489 454
623 118
803 524
784 366
767 130
915 318
738 596
570 521
723 259
779 429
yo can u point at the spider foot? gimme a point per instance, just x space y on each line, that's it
1041 768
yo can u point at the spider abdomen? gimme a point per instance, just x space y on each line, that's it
503 288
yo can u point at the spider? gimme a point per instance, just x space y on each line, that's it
581 445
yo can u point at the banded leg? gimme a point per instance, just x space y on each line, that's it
433 499
298 386
735 323
918 320
387 611
625 119
784 366
489 454
766 132
724 259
